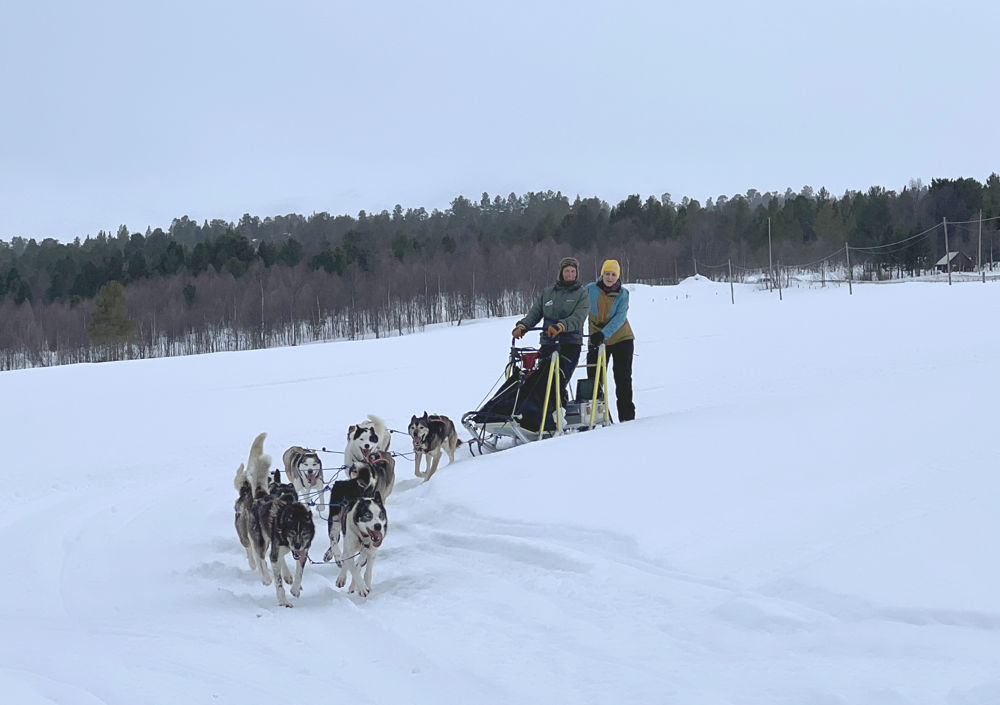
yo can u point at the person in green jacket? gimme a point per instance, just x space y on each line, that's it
562 308
609 325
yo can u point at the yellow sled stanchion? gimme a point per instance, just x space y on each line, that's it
600 378
554 377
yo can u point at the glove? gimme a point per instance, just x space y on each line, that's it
518 331
554 330
596 339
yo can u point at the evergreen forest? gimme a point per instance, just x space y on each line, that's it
290 279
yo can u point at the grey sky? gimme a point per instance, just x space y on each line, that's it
139 112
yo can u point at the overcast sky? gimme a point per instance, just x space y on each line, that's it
136 113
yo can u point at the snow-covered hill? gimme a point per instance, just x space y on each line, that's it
804 513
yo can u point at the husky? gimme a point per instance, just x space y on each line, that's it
278 524
430 435
244 485
365 437
364 527
343 495
304 470
383 471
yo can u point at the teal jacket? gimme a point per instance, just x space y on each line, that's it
560 304
609 313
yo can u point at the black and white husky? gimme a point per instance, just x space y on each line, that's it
431 434
304 470
364 438
343 495
364 527
278 524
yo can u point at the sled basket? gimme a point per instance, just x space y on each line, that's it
529 404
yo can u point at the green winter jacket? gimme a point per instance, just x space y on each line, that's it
560 303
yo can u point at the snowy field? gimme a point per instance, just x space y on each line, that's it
804 513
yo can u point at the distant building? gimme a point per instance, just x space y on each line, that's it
960 262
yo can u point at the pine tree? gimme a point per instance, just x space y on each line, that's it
110 325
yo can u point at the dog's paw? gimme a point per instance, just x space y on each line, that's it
296 591
265 579
328 555
341 582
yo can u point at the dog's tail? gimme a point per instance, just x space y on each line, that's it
241 477
381 430
259 464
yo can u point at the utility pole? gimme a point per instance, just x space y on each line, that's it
981 270
947 249
770 261
732 295
850 277
260 280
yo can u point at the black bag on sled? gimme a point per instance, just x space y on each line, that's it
529 391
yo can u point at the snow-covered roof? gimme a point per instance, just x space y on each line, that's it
947 258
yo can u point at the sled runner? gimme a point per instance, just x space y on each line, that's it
529 406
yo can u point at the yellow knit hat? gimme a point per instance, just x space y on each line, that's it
611 265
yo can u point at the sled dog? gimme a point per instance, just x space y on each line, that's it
364 527
304 470
365 437
431 434
343 495
279 524
243 482
383 471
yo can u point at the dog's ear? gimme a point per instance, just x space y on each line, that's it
378 497
350 431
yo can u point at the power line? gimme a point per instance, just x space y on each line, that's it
897 242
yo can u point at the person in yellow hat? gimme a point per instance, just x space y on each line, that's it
609 325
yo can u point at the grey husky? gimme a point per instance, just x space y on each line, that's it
431 434
304 470
243 482
278 524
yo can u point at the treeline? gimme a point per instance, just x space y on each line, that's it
291 279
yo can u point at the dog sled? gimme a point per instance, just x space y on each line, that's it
528 406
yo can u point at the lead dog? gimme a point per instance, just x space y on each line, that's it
364 438
278 524
304 470
431 434
343 495
364 527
